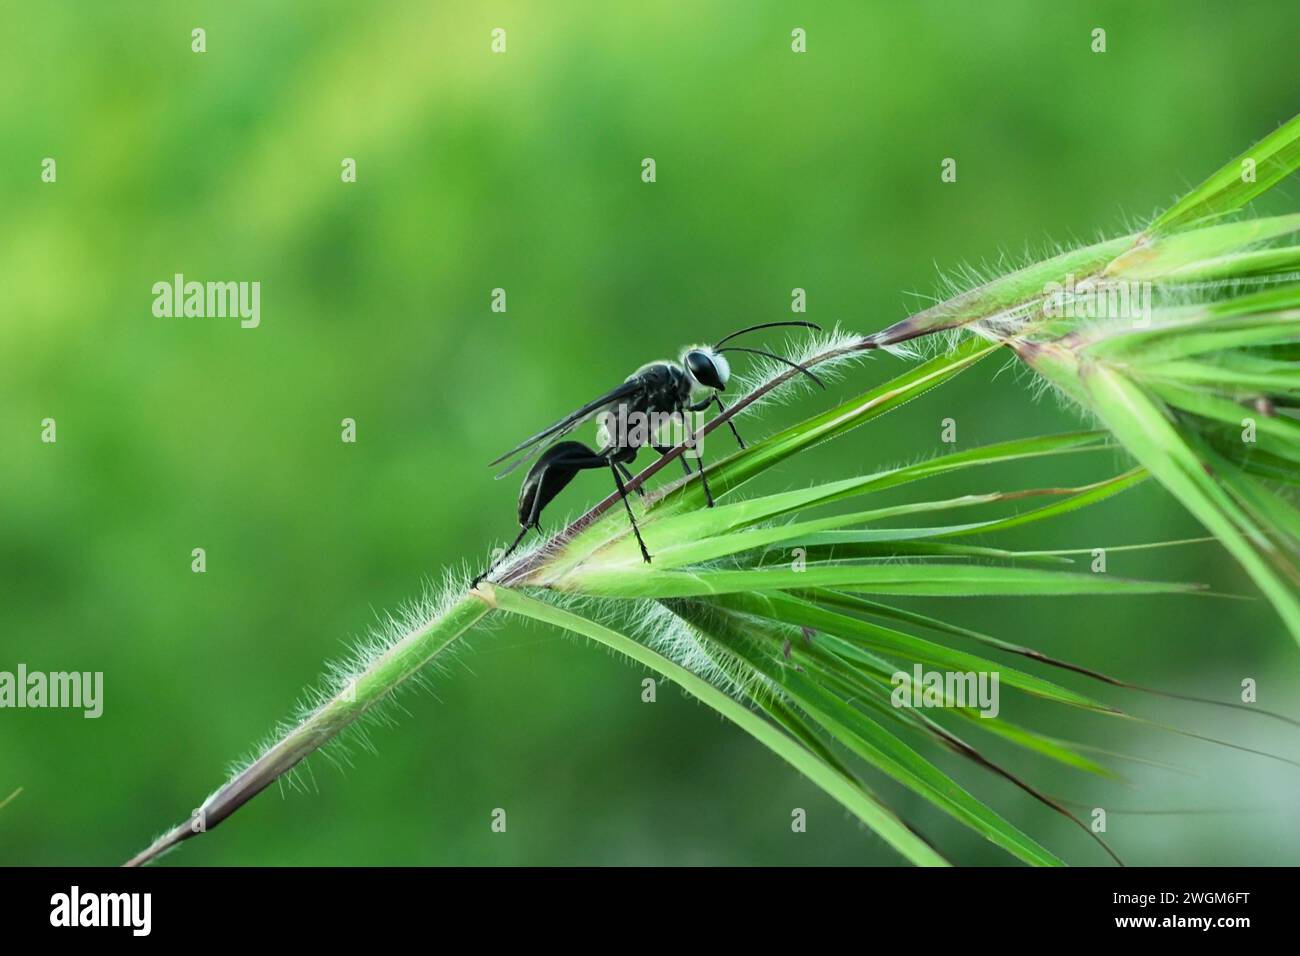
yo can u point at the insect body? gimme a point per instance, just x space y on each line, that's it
648 398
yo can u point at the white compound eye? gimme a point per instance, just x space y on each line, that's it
707 368
724 368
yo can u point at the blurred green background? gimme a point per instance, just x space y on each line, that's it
522 171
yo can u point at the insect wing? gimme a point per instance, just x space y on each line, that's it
565 425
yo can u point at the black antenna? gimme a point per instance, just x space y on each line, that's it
770 325
737 348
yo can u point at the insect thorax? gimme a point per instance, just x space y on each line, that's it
667 386
647 417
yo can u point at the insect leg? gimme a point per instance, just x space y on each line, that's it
664 449
708 495
730 424
508 551
627 474
704 478
622 493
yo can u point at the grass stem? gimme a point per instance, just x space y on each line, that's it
368 688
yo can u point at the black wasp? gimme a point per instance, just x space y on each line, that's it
658 391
